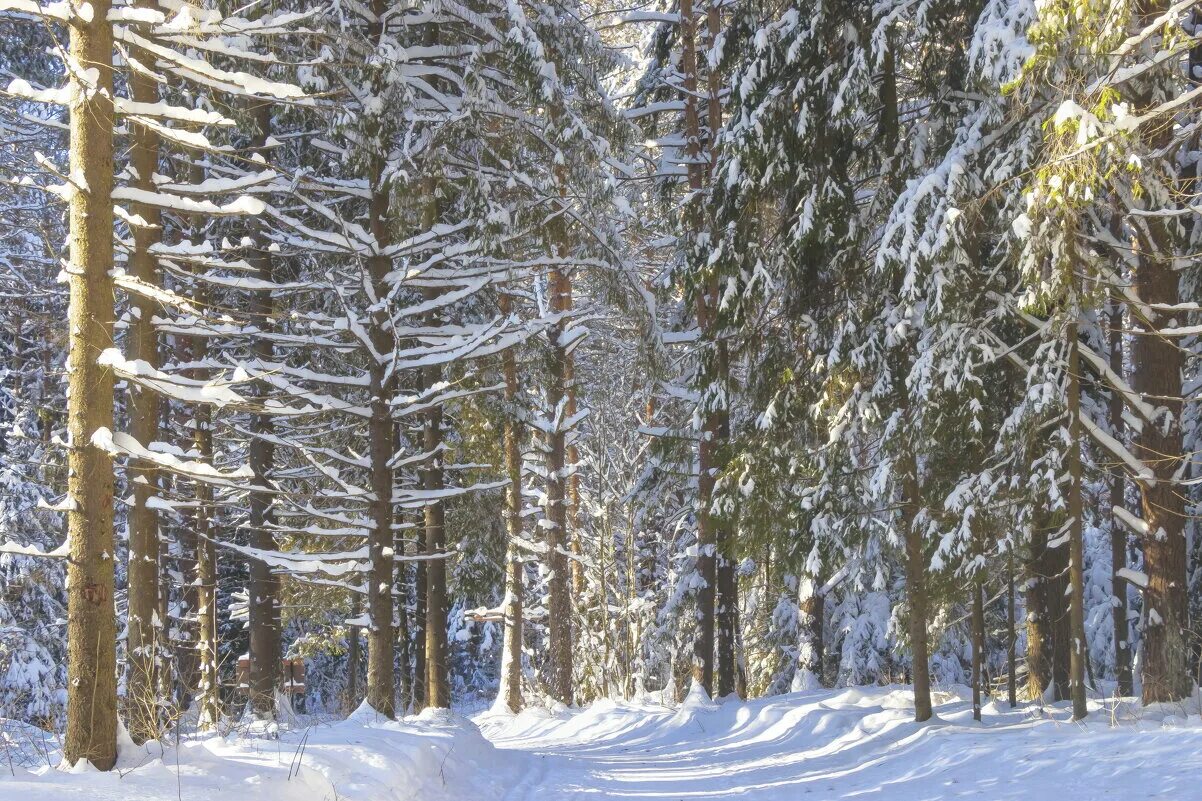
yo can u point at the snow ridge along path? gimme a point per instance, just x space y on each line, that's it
852 743
828 744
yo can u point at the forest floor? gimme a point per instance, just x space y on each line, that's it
831 744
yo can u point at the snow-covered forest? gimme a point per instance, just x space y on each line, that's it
832 365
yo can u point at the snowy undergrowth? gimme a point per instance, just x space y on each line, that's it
433 757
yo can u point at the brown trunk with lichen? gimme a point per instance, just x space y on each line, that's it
144 624
91 731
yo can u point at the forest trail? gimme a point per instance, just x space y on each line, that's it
852 743
824 745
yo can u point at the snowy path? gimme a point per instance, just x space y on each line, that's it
848 744
828 745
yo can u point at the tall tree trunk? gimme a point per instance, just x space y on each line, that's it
380 640
209 683
438 690
515 568
264 589
1039 614
381 645
91 628
1078 656
559 607
703 644
726 599
1157 366
206 679
1118 533
404 677
419 629
144 623
978 645
915 565
1011 636
916 588
573 462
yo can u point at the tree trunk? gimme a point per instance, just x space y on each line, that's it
380 638
916 579
91 731
1078 655
404 677
573 461
144 623
1039 615
559 607
438 690
1157 366
206 681
209 683
1011 635
726 600
264 589
1118 533
703 644
515 574
419 630
811 647
978 645
1058 610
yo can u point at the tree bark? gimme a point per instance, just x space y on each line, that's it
1078 656
916 571
1058 610
1118 533
811 646
978 645
438 690
1011 636
91 731
559 607
515 569
703 643
206 681
264 589
916 590
380 636
1157 367
144 623
1039 615
419 630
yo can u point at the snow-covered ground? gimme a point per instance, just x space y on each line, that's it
839 744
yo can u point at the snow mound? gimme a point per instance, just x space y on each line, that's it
436 756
